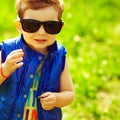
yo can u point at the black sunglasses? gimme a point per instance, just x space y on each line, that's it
31 26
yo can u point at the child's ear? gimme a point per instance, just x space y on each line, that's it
62 26
18 25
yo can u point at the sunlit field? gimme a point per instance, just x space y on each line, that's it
91 35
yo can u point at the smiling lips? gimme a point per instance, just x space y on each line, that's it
40 40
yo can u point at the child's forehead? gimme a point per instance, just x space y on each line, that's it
42 14
21 7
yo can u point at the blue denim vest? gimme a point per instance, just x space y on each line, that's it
14 91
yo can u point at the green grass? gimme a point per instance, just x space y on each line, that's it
91 34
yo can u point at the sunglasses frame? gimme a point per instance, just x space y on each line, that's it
51 27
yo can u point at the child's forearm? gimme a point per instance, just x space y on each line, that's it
64 98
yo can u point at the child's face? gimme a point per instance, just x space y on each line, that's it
40 39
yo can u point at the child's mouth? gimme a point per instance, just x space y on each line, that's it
40 40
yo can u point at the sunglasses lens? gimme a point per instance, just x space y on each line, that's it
53 27
30 25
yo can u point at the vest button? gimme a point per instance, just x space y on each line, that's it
18 115
25 96
31 76
39 58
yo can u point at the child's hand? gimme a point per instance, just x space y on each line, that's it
13 61
48 100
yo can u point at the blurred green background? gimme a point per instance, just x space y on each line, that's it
92 37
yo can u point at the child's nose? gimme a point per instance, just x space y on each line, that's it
41 30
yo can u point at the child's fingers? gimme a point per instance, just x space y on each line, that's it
18 65
45 94
40 97
17 54
16 60
16 51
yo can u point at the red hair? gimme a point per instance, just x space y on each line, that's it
23 5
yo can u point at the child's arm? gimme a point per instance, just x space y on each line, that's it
50 100
12 62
